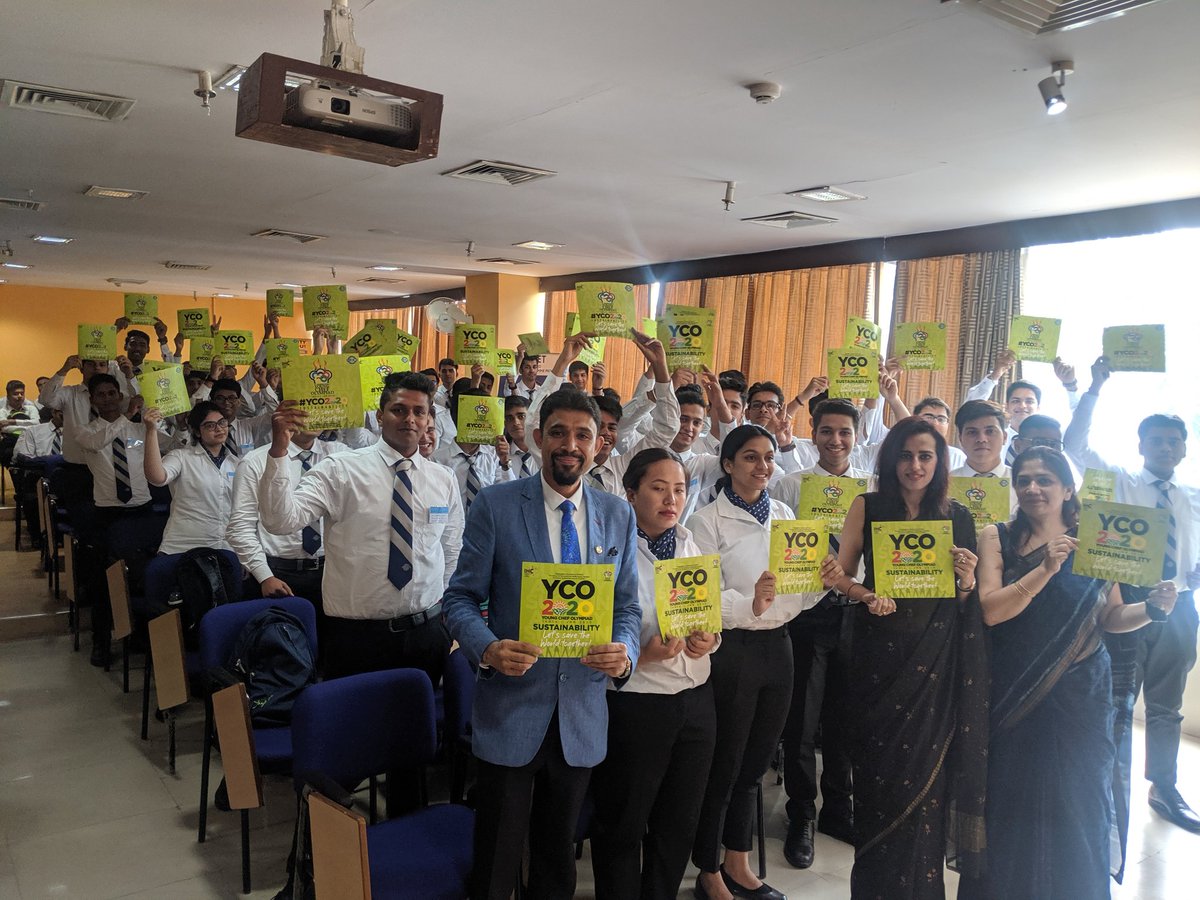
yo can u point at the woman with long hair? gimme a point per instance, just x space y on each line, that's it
1050 820
917 689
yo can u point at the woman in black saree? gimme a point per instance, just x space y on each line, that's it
1049 816
918 689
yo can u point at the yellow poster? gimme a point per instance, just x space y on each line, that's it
827 499
236 348
328 389
378 337
590 355
1034 338
566 609
194 323
373 370
798 547
473 344
97 342
649 326
1098 484
1121 543
862 334
282 352
606 308
1136 348
141 309
281 302
913 559
505 362
852 372
921 345
688 335
163 387
201 351
687 595
326 306
535 344
407 344
480 419
989 500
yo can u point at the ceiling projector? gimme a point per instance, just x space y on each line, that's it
327 108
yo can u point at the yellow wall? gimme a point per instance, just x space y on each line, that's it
513 303
37 324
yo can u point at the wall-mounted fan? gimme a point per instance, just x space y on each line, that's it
443 314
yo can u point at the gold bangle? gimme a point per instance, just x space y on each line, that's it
1021 589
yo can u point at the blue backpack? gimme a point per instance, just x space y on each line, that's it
274 660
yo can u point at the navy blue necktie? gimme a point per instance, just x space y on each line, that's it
1170 564
310 538
569 543
121 471
400 557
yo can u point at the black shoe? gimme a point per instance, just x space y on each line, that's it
763 892
221 797
699 891
1167 803
837 828
798 847
100 655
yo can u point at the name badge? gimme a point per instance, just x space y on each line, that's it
439 515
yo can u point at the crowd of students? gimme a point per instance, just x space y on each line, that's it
983 729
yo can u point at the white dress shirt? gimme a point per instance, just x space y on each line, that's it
95 442
201 500
352 491
485 460
28 409
37 441
76 405
247 538
552 500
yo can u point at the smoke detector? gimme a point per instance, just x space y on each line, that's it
764 92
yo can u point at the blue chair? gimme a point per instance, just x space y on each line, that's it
458 690
348 729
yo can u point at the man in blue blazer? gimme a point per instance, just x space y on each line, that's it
539 726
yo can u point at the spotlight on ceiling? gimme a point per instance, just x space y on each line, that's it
1052 87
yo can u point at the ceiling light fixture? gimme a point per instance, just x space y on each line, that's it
120 281
1052 87
287 284
114 193
386 267
51 239
225 296
13 265
826 194
728 198
539 245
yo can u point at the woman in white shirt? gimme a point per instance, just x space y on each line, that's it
752 671
201 479
661 722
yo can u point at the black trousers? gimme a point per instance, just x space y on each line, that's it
752 690
542 798
1166 652
354 646
648 791
817 702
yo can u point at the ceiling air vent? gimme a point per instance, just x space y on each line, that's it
1046 16
63 101
499 172
17 203
376 280
790 219
505 261
278 234
191 267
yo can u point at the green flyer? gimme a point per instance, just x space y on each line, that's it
566 609
590 355
1098 484
649 327
798 547
473 344
989 500
201 351
689 337
281 302
862 334
912 559
326 306
236 348
1034 338
141 309
194 323
1136 348
328 389
921 345
407 344
97 342
852 372
282 352
163 387
827 499
1121 543
374 370
378 337
505 362
687 595
535 344
606 308
480 419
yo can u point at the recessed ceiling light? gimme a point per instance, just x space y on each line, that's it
287 284
386 267
12 265
114 193
826 194
2 281
539 245
51 239
405 296
225 296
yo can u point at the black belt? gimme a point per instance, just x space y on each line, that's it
296 565
406 623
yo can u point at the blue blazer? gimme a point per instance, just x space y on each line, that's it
505 527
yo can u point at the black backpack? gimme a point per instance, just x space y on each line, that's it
273 658
202 580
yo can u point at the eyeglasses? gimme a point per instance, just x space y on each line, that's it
1045 442
220 425
768 405
931 417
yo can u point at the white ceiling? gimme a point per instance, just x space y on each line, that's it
930 110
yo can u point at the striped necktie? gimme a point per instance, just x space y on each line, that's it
1170 564
56 444
231 445
121 471
597 477
525 462
400 556
569 542
310 538
473 485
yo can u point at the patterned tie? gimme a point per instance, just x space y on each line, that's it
597 477
569 544
473 484
121 470
525 463
1170 566
56 444
310 538
231 445
400 559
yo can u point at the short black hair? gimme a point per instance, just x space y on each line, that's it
572 400
432 373
1037 420
468 391
835 407
533 358
406 381
607 404
733 380
760 387
643 460
820 398
1030 386
1161 420
980 409
515 401
611 393
447 361
577 366
925 402
690 394
102 378
137 332
226 384
14 384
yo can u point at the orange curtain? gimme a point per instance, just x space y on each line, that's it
624 362
433 347
931 290
681 293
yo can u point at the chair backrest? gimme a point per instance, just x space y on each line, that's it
166 650
351 728
220 627
458 684
118 593
339 848
243 779
160 575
